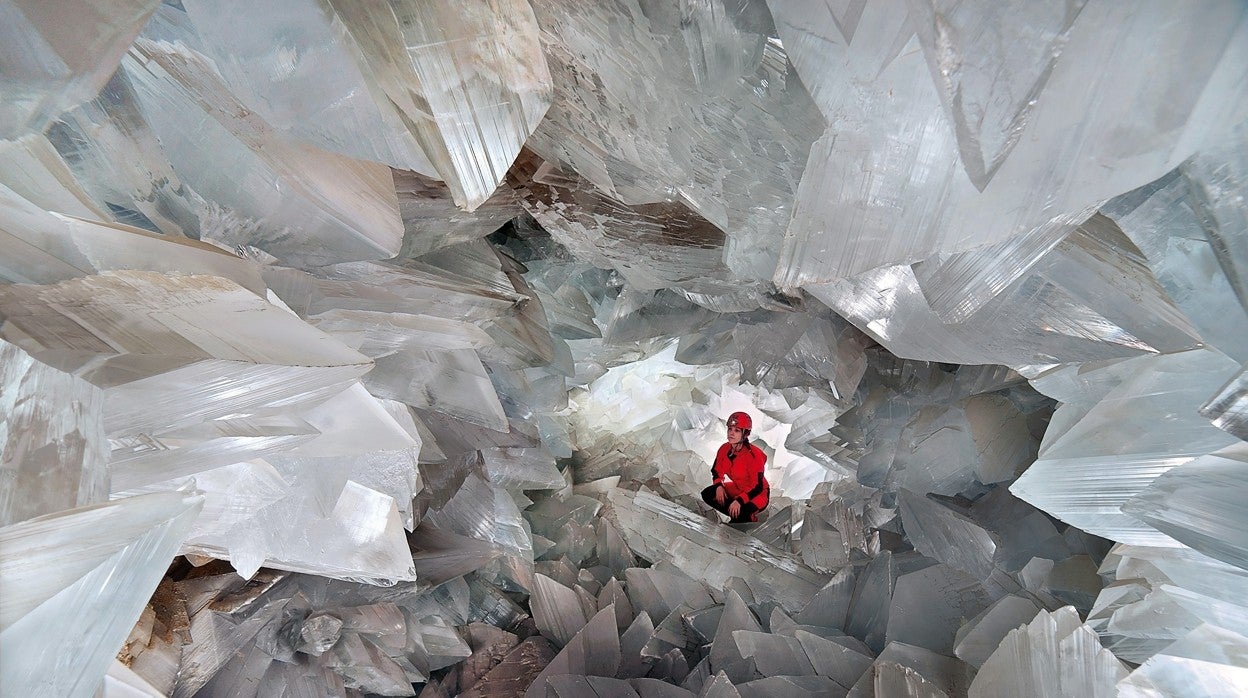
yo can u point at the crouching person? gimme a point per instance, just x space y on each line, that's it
740 489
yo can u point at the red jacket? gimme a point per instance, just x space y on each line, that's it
742 475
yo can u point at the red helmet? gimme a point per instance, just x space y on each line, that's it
740 420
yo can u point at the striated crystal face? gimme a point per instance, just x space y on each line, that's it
385 347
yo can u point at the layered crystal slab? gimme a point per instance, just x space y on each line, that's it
451 382
1228 409
43 248
482 510
32 168
1195 504
173 351
117 160
352 532
146 459
75 583
1066 307
928 605
556 610
944 534
981 635
652 245
1218 175
1164 219
593 651
661 531
431 220
379 287
915 668
1201 664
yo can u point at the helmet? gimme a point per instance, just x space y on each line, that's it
740 420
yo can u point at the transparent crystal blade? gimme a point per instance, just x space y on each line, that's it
76 581
1228 409
990 69
43 247
173 351
635 117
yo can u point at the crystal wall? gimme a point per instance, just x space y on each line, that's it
383 347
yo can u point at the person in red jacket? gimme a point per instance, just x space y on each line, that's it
740 489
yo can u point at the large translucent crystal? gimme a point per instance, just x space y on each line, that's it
470 81
1208 662
432 220
981 635
1219 177
928 605
643 114
1139 430
52 429
1053 655
594 651
1197 504
298 65
884 185
117 160
1164 221
173 351
297 202
1091 297
487 512
50 66
652 245
659 530
944 534
353 533
37 173
42 247
74 584
1228 409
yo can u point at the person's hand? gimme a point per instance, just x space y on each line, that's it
720 495
734 509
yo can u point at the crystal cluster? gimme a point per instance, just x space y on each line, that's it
383 347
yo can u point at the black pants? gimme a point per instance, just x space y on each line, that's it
748 510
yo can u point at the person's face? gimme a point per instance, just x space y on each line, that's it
735 434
